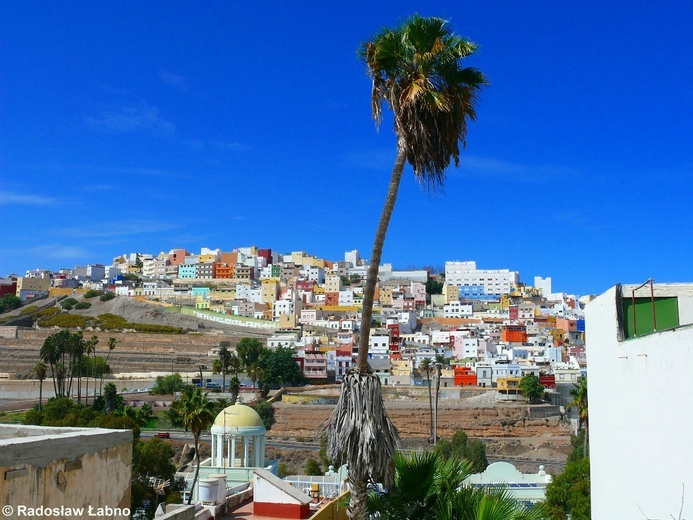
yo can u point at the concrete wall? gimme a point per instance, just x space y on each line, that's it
640 435
66 467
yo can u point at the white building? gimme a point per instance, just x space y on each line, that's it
456 309
476 283
640 389
353 258
379 345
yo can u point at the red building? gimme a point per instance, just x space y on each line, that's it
464 376
547 380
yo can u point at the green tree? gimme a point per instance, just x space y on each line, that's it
579 395
197 412
111 398
168 384
10 302
265 410
569 492
40 370
434 287
313 467
278 367
112 342
461 447
249 352
151 469
90 348
416 69
225 359
427 487
531 388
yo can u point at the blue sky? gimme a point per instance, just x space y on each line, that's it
147 126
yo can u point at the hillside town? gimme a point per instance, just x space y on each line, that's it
482 327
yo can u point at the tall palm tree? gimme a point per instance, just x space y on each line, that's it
417 71
198 412
425 367
90 348
111 346
40 369
50 354
579 395
225 358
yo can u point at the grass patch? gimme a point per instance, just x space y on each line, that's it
11 417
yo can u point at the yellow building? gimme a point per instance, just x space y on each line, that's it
271 289
451 293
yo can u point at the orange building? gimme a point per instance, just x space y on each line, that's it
514 333
331 299
224 270
464 376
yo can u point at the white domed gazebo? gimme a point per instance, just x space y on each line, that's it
235 424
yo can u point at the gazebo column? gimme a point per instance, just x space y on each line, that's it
245 451
228 449
233 452
215 454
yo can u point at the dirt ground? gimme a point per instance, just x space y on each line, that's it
509 431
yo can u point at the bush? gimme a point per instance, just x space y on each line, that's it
68 303
47 313
91 293
313 467
67 321
107 296
82 305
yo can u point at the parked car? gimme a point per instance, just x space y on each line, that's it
162 435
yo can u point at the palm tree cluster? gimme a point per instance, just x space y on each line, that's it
67 353
417 72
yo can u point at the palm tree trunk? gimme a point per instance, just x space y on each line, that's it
357 497
435 422
430 405
197 467
40 394
378 242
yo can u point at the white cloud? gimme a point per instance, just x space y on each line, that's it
107 230
174 80
131 118
23 199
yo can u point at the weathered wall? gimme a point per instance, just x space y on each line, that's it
66 467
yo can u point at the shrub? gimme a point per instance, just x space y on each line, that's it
91 293
67 321
107 296
47 313
82 305
68 303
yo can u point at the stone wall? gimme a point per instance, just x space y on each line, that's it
66 468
